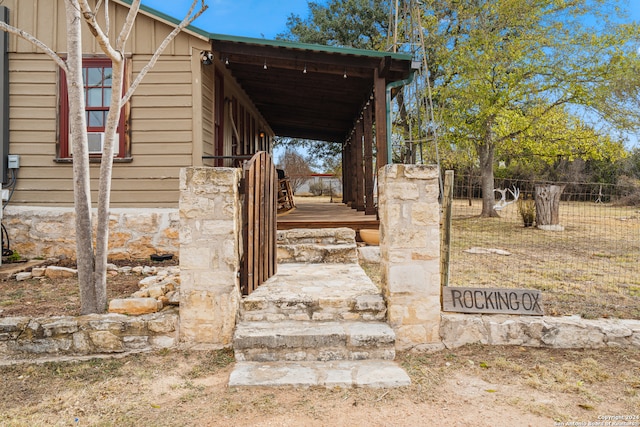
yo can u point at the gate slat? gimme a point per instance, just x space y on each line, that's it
259 260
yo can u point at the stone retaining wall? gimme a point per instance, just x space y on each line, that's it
22 337
135 233
553 332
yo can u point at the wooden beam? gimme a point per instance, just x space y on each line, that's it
343 169
352 173
385 66
348 168
370 208
359 167
380 106
244 52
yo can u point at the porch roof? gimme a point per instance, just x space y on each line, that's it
307 91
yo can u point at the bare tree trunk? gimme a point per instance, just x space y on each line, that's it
548 207
485 152
81 183
104 191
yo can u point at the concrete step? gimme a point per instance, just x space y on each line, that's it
328 245
322 292
345 374
323 341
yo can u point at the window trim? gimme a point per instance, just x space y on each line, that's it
63 151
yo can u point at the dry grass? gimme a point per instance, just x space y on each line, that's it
473 385
591 269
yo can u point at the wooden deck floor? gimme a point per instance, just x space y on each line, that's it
315 214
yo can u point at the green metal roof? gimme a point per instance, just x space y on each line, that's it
309 46
302 90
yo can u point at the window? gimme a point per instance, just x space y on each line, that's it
96 75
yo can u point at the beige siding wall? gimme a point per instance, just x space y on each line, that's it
162 122
171 112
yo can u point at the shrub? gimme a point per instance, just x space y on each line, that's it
527 211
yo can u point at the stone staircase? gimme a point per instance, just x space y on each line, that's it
319 322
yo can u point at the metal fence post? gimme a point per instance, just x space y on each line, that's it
445 229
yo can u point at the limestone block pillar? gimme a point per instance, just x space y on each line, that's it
210 245
410 253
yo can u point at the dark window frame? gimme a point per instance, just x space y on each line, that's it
64 148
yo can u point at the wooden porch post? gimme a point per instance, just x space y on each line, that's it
381 119
348 172
359 205
370 208
352 170
345 181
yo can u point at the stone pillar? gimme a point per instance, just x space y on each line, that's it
410 252
210 245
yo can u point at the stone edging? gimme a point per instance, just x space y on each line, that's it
550 332
92 334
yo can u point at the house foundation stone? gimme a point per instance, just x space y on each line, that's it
134 233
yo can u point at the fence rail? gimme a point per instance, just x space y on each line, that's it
591 268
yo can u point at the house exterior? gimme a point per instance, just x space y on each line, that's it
210 100
168 124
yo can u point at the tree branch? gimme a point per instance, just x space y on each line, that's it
189 18
34 41
128 25
103 40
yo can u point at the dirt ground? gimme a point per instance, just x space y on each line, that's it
470 386
42 297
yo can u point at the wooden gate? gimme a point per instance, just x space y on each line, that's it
259 222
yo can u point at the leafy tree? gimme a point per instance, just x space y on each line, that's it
359 24
507 73
92 260
509 77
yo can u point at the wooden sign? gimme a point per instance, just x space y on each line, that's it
496 301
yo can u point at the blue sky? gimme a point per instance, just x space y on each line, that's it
260 18
250 18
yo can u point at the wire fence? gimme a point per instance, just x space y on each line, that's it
591 268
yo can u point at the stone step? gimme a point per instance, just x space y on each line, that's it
308 341
328 245
345 374
322 292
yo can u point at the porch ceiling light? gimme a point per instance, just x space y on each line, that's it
206 57
265 64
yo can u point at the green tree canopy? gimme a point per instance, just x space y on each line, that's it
509 76
360 24
546 78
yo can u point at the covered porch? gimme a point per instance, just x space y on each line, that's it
314 212
323 93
